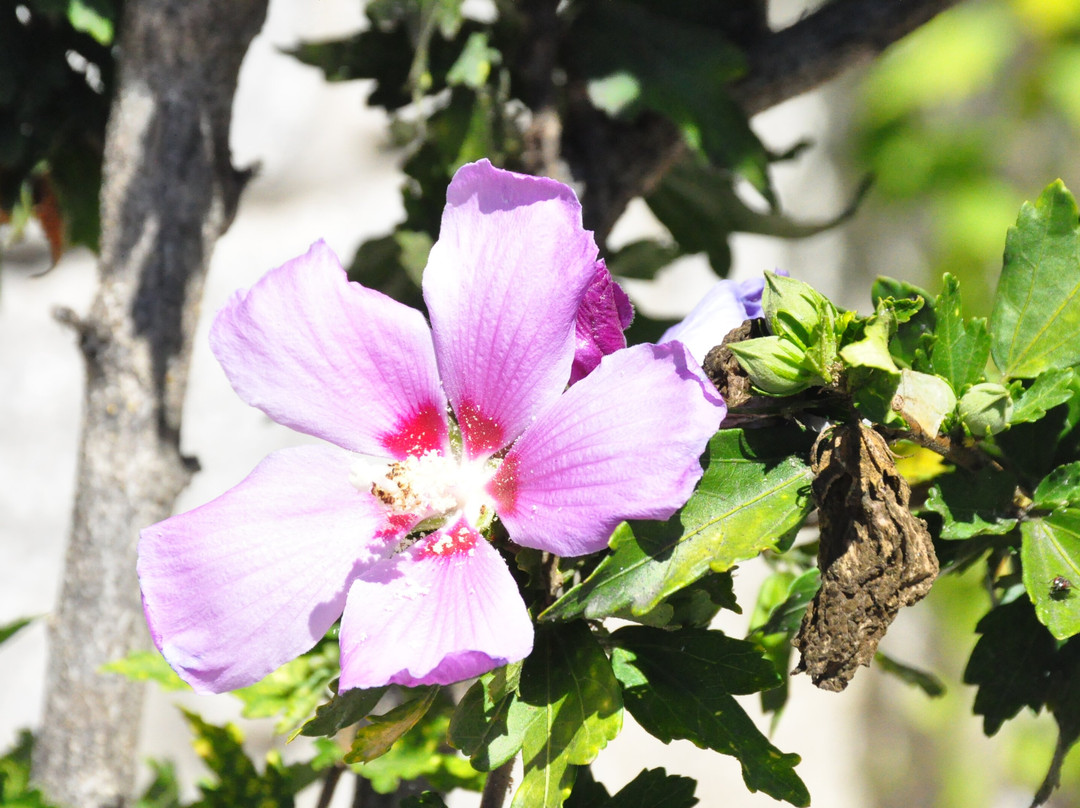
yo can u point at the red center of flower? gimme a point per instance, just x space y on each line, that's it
423 431
453 541
504 485
481 433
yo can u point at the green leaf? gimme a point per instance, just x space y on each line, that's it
1051 551
474 65
239 781
376 738
642 259
653 788
422 753
1060 488
1010 663
343 710
164 788
974 504
960 349
587 792
89 20
15 788
14 627
568 709
753 495
1049 389
786 616
146 666
479 726
909 334
1035 325
927 682
679 685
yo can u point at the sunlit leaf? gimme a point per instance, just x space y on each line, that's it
1035 325
1050 555
974 504
960 348
377 737
568 709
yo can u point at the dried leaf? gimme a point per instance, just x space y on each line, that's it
875 556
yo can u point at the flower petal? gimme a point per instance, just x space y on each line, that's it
604 314
333 359
717 313
723 308
241 585
503 285
444 610
623 443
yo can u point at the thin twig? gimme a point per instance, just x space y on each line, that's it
329 784
497 787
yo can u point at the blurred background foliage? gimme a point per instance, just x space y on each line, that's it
959 124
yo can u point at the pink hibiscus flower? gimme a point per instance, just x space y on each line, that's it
431 433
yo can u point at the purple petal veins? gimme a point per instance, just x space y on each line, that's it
388 529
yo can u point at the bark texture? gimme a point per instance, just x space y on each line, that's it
169 191
875 557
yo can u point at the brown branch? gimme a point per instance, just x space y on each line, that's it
168 191
619 160
497 787
837 37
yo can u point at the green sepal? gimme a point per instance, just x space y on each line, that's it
985 409
679 684
775 365
754 494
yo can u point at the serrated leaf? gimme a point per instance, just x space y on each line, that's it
653 788
1049 389
753 495
960 349
679 685
910 334
568 709
344 710
1010 663
974 504
146 666
479 726
1035 325
376 738
1060 488
1050 554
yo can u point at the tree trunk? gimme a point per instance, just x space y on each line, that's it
169 191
